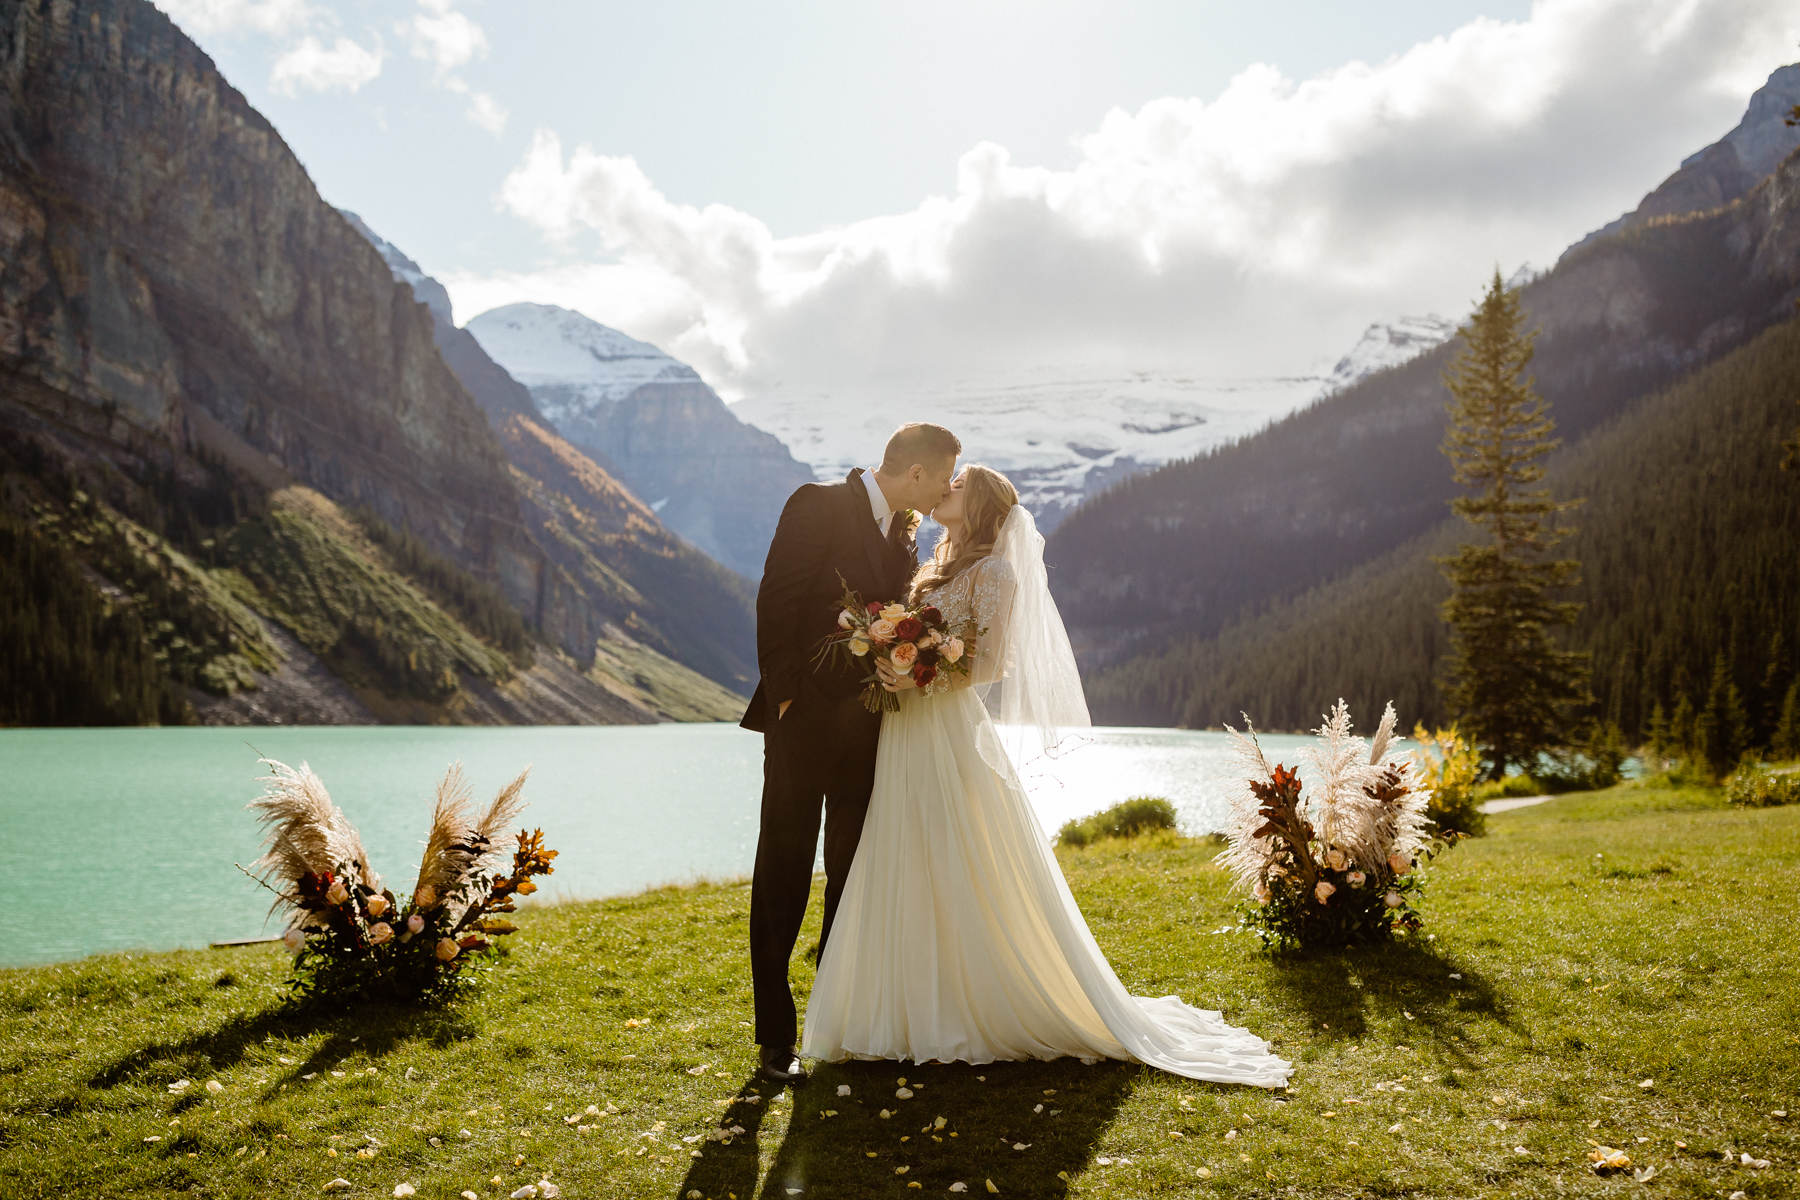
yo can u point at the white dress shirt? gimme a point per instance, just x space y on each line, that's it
878 504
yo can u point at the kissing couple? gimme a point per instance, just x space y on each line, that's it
949 932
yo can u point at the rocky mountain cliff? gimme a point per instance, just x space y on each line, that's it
668 594
1729 167
1187 549
653 422
183 318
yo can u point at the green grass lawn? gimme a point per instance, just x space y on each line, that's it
1617 967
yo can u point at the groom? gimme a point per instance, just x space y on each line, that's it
818 740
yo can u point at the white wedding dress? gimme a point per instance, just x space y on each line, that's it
956 936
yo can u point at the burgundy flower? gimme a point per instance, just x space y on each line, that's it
924 673
909 628
874 607
932 617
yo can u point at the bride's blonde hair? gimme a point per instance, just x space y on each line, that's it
987 497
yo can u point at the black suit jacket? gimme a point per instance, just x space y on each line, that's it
826 531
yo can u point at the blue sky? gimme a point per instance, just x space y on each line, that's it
786 190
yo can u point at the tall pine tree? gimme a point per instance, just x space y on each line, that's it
1509 684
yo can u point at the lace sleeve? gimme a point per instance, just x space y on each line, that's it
993 588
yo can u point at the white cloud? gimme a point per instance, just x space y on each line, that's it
448 40
1258 231
202 18
443 37
487 112
313 66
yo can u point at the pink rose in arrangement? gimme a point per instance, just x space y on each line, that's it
425 897
338 893
1323 891
904 656
881 631
447 949
952 649
1355 878
293 939
1392 900
415 924
377 905
1398 863
380 932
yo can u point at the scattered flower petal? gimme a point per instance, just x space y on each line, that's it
843 1089
403 1190
214 1086
1606 1158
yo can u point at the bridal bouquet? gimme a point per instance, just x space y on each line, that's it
1337 865
913 641
351 936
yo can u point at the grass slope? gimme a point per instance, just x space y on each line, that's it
1582 948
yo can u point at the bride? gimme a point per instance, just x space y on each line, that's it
956 936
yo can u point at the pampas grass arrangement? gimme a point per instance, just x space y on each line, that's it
1337 865
353 937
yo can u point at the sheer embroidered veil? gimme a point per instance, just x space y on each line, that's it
1035 702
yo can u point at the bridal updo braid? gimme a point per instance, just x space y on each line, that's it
987 497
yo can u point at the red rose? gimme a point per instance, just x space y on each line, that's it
874 607
909 628
931 616
924 673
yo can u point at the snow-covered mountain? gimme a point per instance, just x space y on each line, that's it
1061 436
574 366
654 423
1388 344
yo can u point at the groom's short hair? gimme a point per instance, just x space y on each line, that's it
919 442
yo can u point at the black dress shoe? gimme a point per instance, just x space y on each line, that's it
779 1064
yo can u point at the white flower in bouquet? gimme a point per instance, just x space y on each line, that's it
377 905
425 897
1355 878
893 612
293 939
447 949
1323 891
860 644
1335 860
846 619
904 656
337 893
881 631
952 649
1393 900
380 932
415 924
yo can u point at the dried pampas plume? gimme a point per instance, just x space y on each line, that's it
306 832
461 846
1247 856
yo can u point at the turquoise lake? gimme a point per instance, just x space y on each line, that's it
118 839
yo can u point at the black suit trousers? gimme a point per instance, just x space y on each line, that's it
820 757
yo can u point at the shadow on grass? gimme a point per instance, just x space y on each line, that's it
857 1153
373 1030
1446 1002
